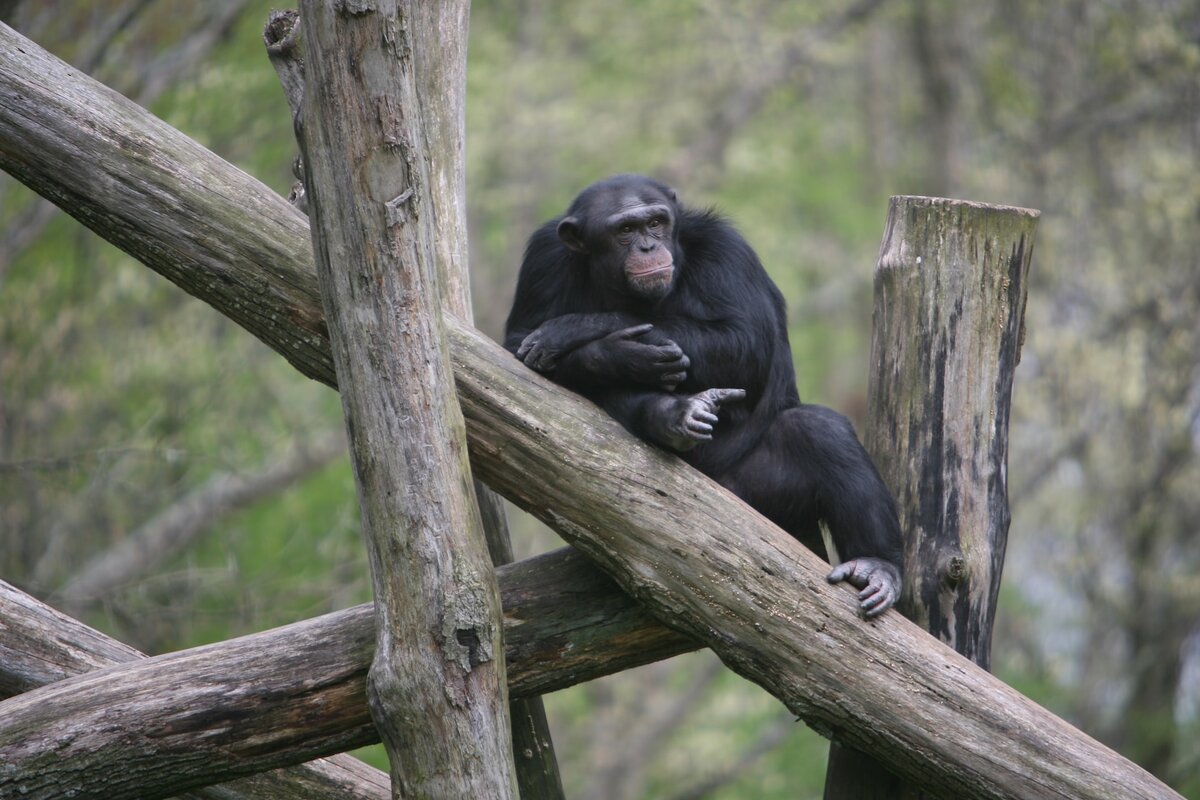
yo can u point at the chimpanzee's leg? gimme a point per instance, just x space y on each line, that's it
810 468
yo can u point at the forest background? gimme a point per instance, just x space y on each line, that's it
171 481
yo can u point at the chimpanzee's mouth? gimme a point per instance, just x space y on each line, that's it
651 269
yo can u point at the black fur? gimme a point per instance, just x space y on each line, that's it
720 324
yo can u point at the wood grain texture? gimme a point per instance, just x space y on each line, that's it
436 686
699 559
441 73
950 290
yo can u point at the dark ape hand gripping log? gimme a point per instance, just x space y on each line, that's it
664 316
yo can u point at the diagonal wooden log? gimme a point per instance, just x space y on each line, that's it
698 558
212 714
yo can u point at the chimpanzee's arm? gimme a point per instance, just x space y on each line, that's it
541 346
589 351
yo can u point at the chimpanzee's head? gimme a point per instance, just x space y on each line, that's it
625 226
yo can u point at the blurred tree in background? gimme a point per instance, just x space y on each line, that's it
171 480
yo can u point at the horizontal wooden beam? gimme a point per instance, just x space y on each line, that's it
284 696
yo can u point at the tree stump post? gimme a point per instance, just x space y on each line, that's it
950 290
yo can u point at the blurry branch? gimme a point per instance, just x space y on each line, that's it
114 25
155 79
1034 479
1179 289
71 461
176 527
101 478
767 741
1116 107
931 49
195 47
745 100
655 727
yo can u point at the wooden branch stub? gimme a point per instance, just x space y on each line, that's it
950 289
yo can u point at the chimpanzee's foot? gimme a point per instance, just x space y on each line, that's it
879 581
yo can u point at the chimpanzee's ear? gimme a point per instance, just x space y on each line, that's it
570 234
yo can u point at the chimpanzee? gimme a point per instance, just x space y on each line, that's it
664 316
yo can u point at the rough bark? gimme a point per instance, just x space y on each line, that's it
950 289
436 687
199 717
39 646
949 323
697 558
441 73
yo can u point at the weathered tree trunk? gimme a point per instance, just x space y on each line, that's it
949 311
697 557
441 75
436 687
950 290
565 622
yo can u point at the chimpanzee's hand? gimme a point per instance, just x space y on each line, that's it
684 421
639 355
879 581
652 359
547 343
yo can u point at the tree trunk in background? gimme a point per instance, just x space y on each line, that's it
950 292
437 683
932 32
442 80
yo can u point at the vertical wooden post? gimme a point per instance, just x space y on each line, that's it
950 289
442 72
442 75
437 684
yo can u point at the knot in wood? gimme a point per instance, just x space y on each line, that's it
954 571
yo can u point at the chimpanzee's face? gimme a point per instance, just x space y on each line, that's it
626 227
